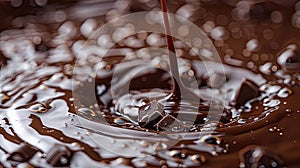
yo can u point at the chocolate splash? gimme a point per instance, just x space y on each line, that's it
32 76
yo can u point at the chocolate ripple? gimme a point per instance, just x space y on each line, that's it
111 138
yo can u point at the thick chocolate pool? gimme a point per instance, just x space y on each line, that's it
80 89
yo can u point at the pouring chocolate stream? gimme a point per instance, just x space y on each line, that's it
179 91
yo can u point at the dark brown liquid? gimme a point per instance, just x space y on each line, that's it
38 108
179 91
172 54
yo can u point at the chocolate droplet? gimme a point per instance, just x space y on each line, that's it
119 121
87 113
177 154
198 158
211 140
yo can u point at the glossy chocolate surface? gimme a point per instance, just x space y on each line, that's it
246 112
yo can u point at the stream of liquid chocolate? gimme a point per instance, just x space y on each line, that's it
172 54
179 91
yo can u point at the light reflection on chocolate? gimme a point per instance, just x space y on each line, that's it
35 53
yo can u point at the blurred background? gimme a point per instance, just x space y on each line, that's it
248 30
